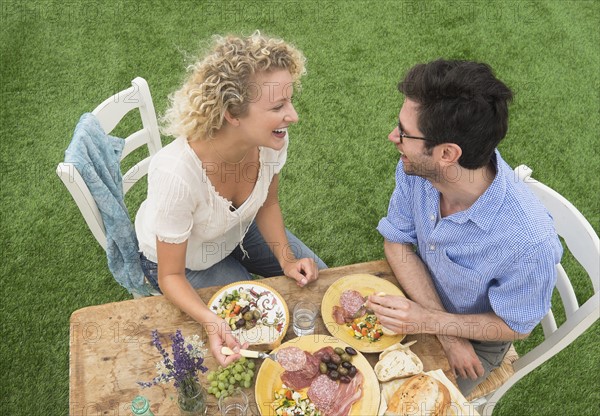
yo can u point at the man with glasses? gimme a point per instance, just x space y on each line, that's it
470 245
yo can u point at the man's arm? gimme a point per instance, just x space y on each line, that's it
426 314
413 276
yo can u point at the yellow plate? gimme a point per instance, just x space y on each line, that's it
366 284
270 333
268 379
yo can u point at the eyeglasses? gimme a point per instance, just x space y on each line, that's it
406 136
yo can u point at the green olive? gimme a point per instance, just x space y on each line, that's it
323 368
339 351
345 357
343 371
256 314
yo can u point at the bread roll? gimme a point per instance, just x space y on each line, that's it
420 395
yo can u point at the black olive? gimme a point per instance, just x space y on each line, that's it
331 366
352 371
245 309
346 364
240 323
326 358
334 375
351 351
345 379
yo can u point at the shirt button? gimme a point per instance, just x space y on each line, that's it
431 247
432 217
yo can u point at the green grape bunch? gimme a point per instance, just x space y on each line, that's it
237 374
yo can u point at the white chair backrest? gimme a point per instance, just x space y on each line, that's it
584 245
110 113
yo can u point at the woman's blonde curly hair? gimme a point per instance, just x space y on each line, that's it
220 82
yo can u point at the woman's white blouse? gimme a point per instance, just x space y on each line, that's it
182 204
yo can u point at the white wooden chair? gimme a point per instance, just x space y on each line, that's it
110 113
584 245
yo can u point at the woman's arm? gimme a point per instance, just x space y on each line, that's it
177 289
270 223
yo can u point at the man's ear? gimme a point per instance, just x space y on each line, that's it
450 153
234 121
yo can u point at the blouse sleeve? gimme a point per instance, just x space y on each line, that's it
170 199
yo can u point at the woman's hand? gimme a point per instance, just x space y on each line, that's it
219 335
302 271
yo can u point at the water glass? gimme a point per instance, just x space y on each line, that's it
304 317
234 404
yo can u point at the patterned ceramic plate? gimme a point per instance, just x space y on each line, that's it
270 315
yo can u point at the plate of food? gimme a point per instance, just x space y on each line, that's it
316 375
346 318
255 312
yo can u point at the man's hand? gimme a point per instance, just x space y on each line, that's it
462 358
302 271
399 314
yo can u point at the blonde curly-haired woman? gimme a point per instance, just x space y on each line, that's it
212 214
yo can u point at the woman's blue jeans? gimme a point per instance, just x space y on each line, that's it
237 266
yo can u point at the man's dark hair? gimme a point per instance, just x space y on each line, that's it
460 102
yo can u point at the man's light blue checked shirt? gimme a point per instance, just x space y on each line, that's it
499 255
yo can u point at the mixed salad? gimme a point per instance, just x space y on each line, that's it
239 308
292 403
366 327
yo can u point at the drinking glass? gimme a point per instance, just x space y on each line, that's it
304 317
234 404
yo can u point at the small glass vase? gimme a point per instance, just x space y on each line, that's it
191 398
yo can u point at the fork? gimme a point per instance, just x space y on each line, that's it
250 353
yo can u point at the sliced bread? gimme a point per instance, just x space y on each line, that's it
397 363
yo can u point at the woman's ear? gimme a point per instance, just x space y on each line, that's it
234 121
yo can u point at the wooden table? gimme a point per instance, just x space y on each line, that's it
110 345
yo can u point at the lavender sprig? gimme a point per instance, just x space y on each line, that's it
187 360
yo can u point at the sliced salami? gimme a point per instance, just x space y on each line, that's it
339 315
351 301
321 392
291 358
302 378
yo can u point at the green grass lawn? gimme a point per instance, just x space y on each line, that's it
60 59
